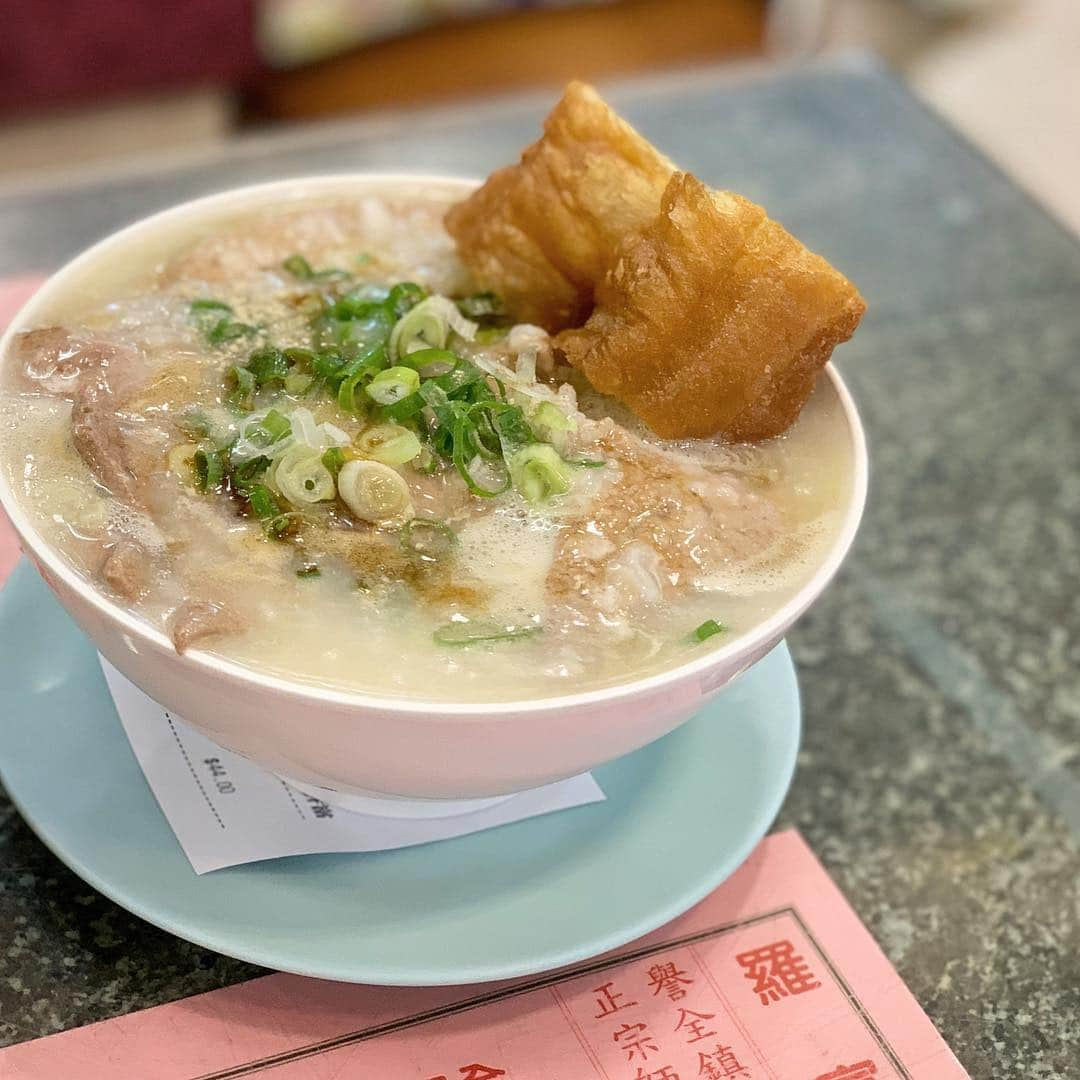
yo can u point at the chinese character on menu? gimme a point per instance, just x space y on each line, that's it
669 979
665 1072
475 1071
608 1001
777 971
635 1039
861 1070
721 1064
695 1028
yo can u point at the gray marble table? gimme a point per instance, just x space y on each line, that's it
940 777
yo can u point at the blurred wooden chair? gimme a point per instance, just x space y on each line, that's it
513 50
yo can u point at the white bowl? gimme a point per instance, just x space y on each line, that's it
364 744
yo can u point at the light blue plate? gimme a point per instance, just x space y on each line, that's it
680 816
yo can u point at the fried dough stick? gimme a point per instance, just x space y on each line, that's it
541 233
713 319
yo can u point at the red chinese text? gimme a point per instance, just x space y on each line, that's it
670 980
720 1064
861 1070
777 971
636 1041
607 1001
475 1071
693 1023
665 1072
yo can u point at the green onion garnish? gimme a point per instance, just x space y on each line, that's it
405 409
404 296
706 630
311 570
389 443
244 476
281 526
301 477
263 503
209 466
424 327
538 472
479 631
431 362
242 384
272 427
427 538
213 318
268 365
298 382
485 305
392 385
550 417
303 358
334 459
425 462
346 376
363 301
225 330
265 507
301 269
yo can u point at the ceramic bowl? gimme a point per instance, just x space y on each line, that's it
343 743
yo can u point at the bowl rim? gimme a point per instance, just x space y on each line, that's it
202 662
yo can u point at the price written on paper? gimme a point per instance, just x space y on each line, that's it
219 776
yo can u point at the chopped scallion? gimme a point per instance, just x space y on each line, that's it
538 472
272 427
242 384
298 382
300 475
226 330
706 630
389 443
301 269
480 306
245 475
209 466
392 385
549 417
430 363
334 459
213 317
404 296
268 365
263 503
424 327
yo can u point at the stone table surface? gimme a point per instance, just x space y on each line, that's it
940 775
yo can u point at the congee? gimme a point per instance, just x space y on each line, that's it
313 440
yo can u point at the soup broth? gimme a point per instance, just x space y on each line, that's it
299 439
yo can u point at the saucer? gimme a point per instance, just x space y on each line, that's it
681 814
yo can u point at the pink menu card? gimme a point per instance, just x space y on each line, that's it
772 977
